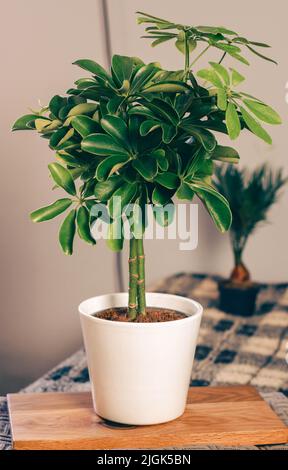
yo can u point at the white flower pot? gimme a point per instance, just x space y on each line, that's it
140 372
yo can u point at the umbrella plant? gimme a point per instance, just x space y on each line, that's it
144 135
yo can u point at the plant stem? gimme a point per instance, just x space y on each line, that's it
133 278
200 55
187 58
141 278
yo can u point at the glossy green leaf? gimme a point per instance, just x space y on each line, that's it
122 67
168 133
210 76
225 154
83 108
51 211
205 137
116 127
146 167
83 225
143 76
85 125
222 72
121 197
110 165
149 126
164 215
94 68
168 180
67 233
105 189
261 55
56 103
62 178
161 159
216 204
102 145
263 112
236 77
232 121
164 110
255 126
22 123
185 192
161 196
222 99
166 87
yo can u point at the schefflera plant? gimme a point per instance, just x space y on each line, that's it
146 135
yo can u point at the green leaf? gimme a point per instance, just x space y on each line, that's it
85 125
110 165
211 76
122 196
263 112
115 238
168 133
205 137
22 123
94 68
232 121
146 167
83 108
236 77
67 233
185 192
104 190
161 159
255 126
161 196
239 57
83 225
122 67
167 87
216 30
216 204
168 180
62 178
222 72
225 154
222 99
56 103
51 211
261 55
143 76
164 110
116 127
148 126
102 145
164 215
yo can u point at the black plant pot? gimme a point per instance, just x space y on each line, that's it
238 300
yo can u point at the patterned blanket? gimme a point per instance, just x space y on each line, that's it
231 349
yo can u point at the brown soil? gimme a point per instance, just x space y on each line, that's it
153 315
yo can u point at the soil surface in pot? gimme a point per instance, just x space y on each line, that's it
153 315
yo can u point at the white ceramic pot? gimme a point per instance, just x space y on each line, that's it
140 372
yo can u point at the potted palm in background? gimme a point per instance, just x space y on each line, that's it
250 195
139 135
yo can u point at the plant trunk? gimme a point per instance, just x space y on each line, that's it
137 300
141 277
133 278
239 273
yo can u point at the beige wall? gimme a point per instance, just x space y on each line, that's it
40 288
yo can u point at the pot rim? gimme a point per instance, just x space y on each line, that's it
168 324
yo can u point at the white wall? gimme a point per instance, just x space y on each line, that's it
266 254
40 288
